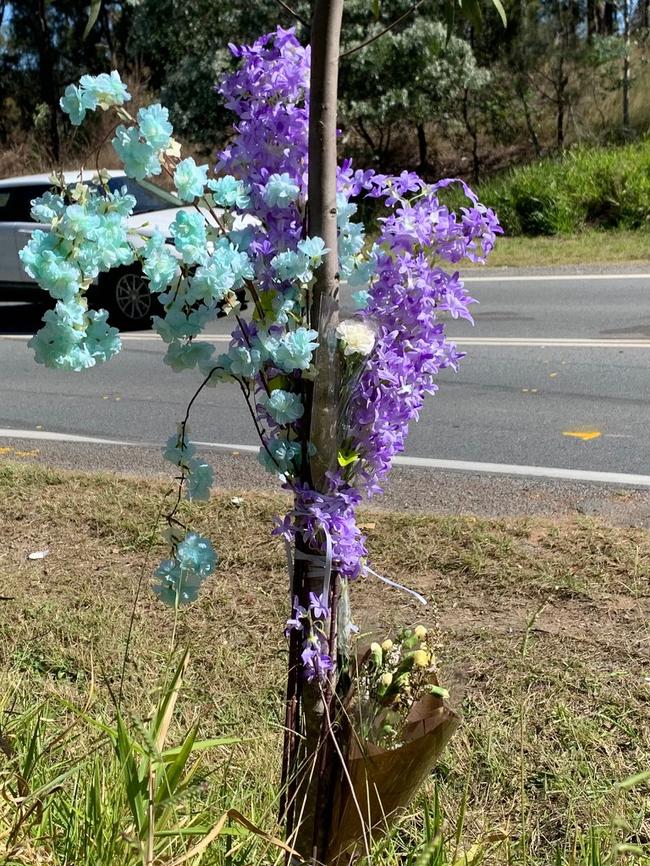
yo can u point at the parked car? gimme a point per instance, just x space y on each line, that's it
124 292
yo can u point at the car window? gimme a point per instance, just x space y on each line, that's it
15 202
148 196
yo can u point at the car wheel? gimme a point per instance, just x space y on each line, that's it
126 295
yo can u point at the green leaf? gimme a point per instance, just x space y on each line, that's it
165 709
471 9
135 786
173 773
93 15
375 9
202 745
633 781
345 459
498 5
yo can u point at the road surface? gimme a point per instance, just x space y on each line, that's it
555 384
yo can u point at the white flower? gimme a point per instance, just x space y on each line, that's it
357 337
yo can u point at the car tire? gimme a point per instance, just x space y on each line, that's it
125 293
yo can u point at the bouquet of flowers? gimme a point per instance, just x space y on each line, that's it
397 723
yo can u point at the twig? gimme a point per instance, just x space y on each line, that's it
242 328
247 392
382 32
293 12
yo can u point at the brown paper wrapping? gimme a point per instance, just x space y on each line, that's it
384 782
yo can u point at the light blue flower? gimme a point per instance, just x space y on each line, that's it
267 345
280 190
284 305
176 325
180 578
108 90
239 263
362 272
72 339
160 265
227 191
138 157
290 265
242 362
110 245
295 350
314 248
279 456
119 201
190 179
215 369
61 278
211 281
47 207
361 299
102 340
283 406
76 102
186 356
190 239
199 480
78 223
195 553
179 450
155 127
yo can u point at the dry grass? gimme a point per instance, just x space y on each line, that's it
544 641
591 247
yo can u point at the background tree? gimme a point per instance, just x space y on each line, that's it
382 89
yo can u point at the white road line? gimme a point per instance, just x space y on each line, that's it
535 471
506 342
50 436
550 472
548 278
557 342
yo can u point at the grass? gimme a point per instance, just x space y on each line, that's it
590 247
605 187
543 631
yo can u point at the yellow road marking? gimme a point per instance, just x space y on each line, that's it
585 435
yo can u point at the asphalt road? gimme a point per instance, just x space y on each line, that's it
556 376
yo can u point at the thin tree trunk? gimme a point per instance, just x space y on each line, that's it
592 20
46 77
313 796
529 122
473 134
422 148
325 30
626 67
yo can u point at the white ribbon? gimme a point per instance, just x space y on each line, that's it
367 570
320 565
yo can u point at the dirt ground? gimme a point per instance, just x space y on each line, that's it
542 623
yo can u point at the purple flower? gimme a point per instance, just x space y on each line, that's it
407 291
319 606
316 661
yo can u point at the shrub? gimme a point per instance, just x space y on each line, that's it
588 187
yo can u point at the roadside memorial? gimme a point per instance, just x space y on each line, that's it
265 239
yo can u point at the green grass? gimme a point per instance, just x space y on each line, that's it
590 247
542 628
598 187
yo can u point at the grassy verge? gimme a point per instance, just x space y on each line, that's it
591 247
543 643
587 187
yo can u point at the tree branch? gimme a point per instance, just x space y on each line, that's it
293 13
382 32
